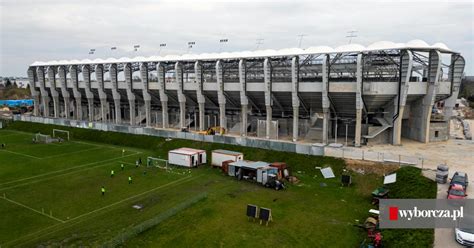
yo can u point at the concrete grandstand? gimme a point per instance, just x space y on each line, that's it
369 95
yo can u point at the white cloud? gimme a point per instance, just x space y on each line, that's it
51 29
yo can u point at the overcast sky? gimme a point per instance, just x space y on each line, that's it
42 30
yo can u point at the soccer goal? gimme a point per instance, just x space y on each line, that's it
63 134
157 162
42 138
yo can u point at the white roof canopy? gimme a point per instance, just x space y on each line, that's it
381 45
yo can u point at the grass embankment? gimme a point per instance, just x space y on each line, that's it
411 184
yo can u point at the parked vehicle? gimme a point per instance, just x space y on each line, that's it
460 178
464 231
456 191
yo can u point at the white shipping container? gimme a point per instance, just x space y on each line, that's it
219 156
187 157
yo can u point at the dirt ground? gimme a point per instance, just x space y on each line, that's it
366 167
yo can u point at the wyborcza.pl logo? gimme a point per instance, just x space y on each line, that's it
423 213
409 214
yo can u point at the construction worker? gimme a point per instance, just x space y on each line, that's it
103 190
112 173
121 166
129 179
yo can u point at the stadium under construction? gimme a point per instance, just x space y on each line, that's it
368 95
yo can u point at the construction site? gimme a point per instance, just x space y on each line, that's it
352 95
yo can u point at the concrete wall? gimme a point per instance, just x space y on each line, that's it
232 140
439 131
383 138
411 127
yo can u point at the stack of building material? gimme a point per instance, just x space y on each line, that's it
442 173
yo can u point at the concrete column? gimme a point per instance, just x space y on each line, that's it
52 88
146 94
163 96
128 71
267 74
77 94
99 74
115 94
434 72
64 91
359 103
456 71
34 93
178 68
244 101
40 72
199 94
325 99
220 95
86 73
406 64
294 96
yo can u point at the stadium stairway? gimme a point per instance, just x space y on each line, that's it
384 126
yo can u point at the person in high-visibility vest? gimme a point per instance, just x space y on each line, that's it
121 166
103 190
129 179
112 173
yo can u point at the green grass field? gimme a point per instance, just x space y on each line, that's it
50 195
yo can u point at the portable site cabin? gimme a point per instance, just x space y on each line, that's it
187 157
219 156
250 170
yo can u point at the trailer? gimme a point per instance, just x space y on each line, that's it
259 171
219 156
187 157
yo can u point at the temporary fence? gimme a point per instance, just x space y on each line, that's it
382 157
146 225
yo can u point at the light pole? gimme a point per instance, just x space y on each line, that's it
222 42
190 45
259 42
301 39
161 47
351 34
136 47
114 48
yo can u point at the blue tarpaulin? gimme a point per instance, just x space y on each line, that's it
16 103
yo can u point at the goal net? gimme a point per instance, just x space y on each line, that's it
157 162
42 138
60 134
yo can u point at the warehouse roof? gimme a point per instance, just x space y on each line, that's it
381 45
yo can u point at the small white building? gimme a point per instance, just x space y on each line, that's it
219 156
187 157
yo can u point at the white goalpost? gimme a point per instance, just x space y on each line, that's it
42 138
164 165
157 162
63 134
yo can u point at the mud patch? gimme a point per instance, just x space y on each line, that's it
370 167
